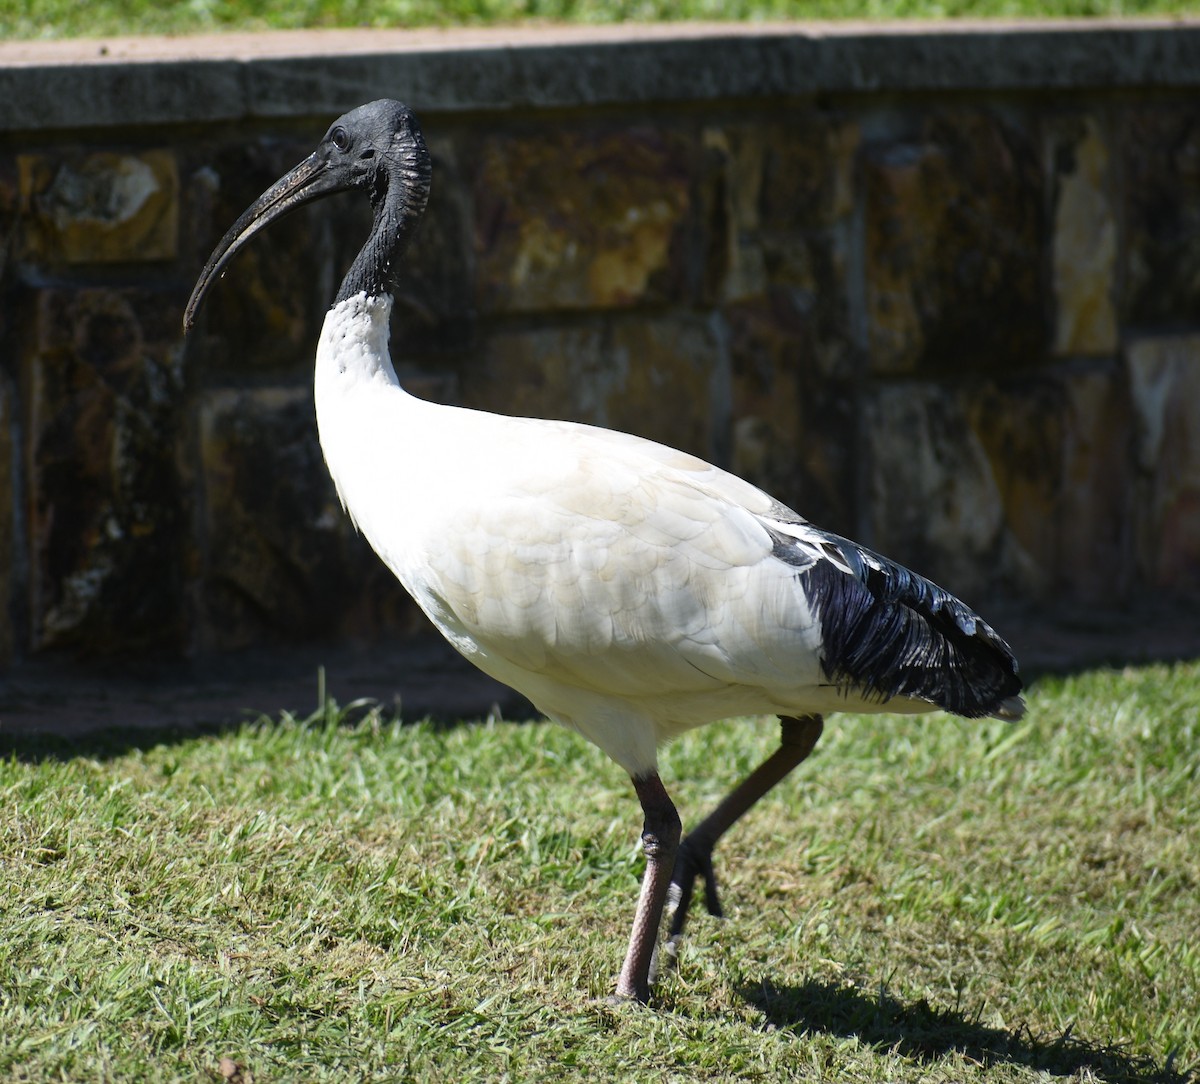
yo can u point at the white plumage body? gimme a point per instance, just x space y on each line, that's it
628 589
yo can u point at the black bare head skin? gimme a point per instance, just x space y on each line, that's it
371 143
376 148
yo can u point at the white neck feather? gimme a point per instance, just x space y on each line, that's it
354 378
387 451
354 344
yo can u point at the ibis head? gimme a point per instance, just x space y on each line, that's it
376 148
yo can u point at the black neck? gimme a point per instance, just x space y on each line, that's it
399 198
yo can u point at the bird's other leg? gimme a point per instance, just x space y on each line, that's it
797 736
660 841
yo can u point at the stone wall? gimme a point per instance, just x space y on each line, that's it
937 289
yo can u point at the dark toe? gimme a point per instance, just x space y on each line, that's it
692 861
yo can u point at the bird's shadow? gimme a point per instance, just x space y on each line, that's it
925 1033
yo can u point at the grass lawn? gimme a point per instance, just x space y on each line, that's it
67 18
926 900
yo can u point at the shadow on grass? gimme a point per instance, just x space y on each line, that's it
57 707
105 744
113 742
926 1033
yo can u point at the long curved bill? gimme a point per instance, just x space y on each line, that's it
310 180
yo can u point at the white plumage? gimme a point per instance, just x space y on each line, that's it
631 591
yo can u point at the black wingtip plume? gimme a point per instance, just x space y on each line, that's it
889 632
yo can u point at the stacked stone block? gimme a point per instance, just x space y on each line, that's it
963 329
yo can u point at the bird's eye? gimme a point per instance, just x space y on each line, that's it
340 139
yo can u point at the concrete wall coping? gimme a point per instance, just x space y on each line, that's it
122 82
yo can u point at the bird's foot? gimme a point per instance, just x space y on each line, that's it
693 860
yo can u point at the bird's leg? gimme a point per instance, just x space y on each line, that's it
796 740
660 841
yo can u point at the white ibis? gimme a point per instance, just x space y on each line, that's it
630 591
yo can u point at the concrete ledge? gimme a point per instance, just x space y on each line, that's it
143 81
